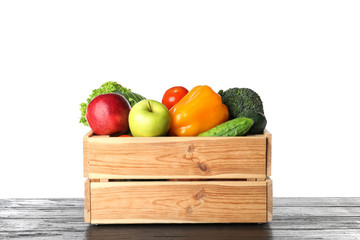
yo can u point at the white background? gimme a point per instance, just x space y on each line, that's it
302 57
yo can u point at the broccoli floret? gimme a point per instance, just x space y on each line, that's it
108 87
239 99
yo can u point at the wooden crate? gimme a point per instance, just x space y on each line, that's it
178 179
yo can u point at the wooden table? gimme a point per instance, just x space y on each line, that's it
294 218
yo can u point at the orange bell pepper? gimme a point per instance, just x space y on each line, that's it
197 112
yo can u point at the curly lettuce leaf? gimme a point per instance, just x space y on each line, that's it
107 87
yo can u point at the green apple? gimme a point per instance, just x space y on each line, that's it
149 118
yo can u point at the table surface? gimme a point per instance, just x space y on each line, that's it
294 218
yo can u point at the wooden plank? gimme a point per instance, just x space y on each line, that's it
87 202
319 211
86 153
63 219
177 157
228 232
77 223
67 209
332 234
268 136
33 203
101 136
178 202
208 231
269 201
317 202
314 222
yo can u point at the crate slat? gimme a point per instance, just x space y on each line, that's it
87 206
86 153
268 136
177 157
269 199
178 202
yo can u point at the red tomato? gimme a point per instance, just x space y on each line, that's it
173 95
124 136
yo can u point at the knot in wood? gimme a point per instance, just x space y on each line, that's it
202 166
200 194
189 210
189 154
190 149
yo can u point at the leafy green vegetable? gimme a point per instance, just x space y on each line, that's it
240 99
109 87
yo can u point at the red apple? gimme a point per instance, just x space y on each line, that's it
108 114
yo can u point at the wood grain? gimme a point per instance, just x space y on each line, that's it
87 202
317 202
269 200
178 202
306 218
177 157
86 153
268 136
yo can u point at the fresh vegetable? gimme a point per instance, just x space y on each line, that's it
240 99
109 87
133 98
108 114
173 95
259 121
198 111
235 127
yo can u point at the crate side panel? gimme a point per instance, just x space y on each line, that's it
178 202
171 157
268 136
86 153
269 193
87 207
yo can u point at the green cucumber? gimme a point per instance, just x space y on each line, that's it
235 127
259 121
